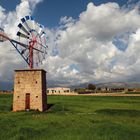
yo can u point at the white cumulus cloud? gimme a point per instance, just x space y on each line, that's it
87 45
82 50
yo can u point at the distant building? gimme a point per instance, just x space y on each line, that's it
6 92
110 89
58 90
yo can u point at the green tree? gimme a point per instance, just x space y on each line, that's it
91 87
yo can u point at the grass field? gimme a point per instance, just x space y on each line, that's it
73 118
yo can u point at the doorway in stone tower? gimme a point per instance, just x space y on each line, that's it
27 102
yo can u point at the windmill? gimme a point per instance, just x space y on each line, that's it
29 84
32 45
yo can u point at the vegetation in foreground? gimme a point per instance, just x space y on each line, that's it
73 118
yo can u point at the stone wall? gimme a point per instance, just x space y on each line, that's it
31 82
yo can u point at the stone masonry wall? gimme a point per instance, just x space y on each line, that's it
32 82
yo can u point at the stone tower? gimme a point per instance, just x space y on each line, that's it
30 90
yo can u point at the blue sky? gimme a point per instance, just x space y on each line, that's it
99 43
53 10
49 12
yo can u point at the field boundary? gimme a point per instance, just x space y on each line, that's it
96 94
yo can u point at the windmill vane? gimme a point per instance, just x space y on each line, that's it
32 45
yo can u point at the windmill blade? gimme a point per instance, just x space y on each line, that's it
41 29
30 25
22 35
23 29
42 34
29 22
25 24
33 22
36 27
43 39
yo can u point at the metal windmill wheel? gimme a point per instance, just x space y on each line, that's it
32 34
32 44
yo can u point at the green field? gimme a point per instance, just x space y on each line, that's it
73 118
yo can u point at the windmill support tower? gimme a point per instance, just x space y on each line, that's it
29 84
30 90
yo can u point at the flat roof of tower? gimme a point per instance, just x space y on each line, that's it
30 70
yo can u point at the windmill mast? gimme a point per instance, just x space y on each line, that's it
31 55
31 46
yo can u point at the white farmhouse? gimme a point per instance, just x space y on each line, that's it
58 90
